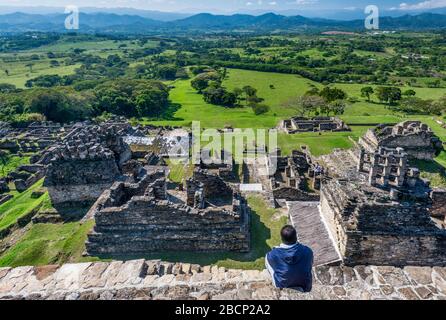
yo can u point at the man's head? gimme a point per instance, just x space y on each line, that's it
289 235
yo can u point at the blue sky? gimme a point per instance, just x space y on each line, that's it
238 5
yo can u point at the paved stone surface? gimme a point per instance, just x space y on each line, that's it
306 218
145 280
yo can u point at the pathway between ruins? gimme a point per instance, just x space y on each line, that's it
306 218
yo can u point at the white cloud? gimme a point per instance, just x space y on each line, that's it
429 4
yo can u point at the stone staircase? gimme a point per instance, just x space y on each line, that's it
156 280
307 220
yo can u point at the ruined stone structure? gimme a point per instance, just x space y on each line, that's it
416 138
87 162
317 124
289 176
137 218
157 280
34 139
223 165
377 207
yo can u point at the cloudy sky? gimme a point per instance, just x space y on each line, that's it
237 5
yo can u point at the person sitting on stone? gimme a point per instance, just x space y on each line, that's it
290 264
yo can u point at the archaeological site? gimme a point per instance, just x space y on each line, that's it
377 227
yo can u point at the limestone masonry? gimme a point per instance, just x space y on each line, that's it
141 217
156 280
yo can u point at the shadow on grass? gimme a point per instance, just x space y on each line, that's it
429 166
433 171
253 259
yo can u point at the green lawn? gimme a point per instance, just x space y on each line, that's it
45 244
19 73
20 206
11 163
286 86
193 108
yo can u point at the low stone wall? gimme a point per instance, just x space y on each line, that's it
79 181
155 280
145 224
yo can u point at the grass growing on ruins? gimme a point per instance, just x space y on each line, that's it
21 205
9 163
45 244
179 171
432 171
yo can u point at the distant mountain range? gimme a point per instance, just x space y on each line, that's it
205 22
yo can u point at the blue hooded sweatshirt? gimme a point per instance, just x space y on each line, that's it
292 266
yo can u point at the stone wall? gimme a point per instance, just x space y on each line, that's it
438 209
80 180
416 138
86 163
375 230
155 280
134 219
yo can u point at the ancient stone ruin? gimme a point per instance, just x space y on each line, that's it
317 124
86 162
292 178
377 208
142 217
416 138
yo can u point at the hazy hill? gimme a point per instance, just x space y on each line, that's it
205 22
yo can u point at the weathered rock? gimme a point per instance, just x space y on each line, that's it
132 280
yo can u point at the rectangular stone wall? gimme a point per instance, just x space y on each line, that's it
145 226
395 250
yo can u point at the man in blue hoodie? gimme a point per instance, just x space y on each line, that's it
291 263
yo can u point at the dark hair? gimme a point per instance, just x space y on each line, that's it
289 235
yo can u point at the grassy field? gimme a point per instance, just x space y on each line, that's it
11 162
193 108
286 86
20 206
19 73
45 244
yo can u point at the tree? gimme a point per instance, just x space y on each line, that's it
131 98
7 88
219 96
167 72
54 63
338 107
367 92
260 109
30 66
249 91
203 80
57 106
305 105
238 93
251 97
409 93
388 95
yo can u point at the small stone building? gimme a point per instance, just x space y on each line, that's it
377 207
143 217
416 138
317 124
